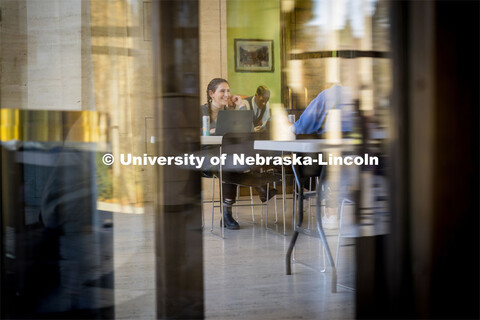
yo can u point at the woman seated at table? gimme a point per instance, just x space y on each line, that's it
218 96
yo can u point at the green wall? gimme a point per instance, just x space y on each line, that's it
248 19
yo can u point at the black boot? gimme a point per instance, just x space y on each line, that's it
230 223
262 193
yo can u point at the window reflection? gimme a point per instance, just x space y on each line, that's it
343 44
78 81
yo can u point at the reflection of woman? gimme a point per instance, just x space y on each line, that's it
218 95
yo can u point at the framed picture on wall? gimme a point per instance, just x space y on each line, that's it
253 55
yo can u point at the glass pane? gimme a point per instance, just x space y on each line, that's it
77 231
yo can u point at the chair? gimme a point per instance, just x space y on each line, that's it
242 174
209 201
251 202
303 176
288 176
309 177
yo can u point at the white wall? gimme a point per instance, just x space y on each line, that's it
213 43
54 80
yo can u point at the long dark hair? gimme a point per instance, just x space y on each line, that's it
213 85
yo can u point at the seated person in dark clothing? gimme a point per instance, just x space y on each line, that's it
260 106
218 96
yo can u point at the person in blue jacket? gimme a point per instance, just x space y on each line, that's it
312 120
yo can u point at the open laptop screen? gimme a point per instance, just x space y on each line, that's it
234 121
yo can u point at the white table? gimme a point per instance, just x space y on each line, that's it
306 146
211 140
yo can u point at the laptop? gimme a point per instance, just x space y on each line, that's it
234 121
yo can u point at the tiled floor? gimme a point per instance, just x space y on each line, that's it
244 272
134 261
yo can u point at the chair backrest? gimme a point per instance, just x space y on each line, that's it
315 169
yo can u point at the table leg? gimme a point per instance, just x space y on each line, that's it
295 231
323 238
300 220
294 202
222 225
266 213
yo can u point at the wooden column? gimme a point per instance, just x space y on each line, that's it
179 250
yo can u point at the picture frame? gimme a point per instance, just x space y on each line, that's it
253 55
